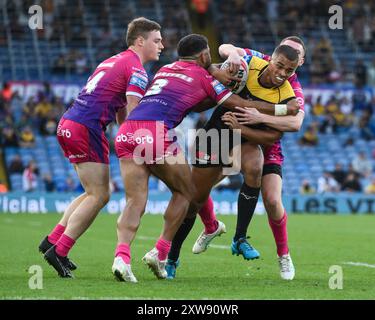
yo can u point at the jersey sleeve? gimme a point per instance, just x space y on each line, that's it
258 54
297 88
215 89
286 93
137 82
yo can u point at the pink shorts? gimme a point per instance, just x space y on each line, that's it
82 144
273 154
146 141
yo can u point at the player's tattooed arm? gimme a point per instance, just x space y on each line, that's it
251 116
291 108
266 137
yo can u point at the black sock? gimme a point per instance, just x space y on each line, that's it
180 237
247 201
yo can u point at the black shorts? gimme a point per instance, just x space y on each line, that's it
272 168
215 141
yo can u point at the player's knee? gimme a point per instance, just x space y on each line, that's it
271 202
103 197
127 225
252 175
188 191
200 197
183 201
193 209
137 204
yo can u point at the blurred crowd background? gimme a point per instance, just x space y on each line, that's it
333 152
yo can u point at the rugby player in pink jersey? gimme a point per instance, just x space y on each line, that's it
267 81
145 145
271 184
115 87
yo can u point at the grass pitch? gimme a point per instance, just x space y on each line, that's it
317 242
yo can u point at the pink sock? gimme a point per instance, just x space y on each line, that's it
208 216
163 247
56 233
280 234
64 245
123 251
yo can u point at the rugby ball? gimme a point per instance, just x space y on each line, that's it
243 73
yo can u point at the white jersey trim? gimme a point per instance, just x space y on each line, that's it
132 93
224 98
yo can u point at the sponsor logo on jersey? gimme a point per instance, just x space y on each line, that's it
79 156
138 80
272 157
129 138
218 87
63 132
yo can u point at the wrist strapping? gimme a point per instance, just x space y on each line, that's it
280 109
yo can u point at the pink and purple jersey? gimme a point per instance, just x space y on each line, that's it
273 154
106 90
176 89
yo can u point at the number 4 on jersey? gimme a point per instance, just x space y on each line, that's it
92 83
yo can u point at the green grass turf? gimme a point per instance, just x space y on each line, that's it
316 242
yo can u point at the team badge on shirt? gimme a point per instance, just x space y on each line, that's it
138 80
218 87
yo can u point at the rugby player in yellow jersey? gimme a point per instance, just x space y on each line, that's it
267 81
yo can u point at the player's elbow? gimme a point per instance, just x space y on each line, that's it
296 125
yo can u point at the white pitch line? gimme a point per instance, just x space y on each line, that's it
215 246
218 246
35 223
145 238
360 264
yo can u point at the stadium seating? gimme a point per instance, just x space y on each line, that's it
95 30
301 162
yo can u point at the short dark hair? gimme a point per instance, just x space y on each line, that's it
140 27
297 40
191 44
287 51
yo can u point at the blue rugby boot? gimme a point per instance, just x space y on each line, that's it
241 246
171 268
